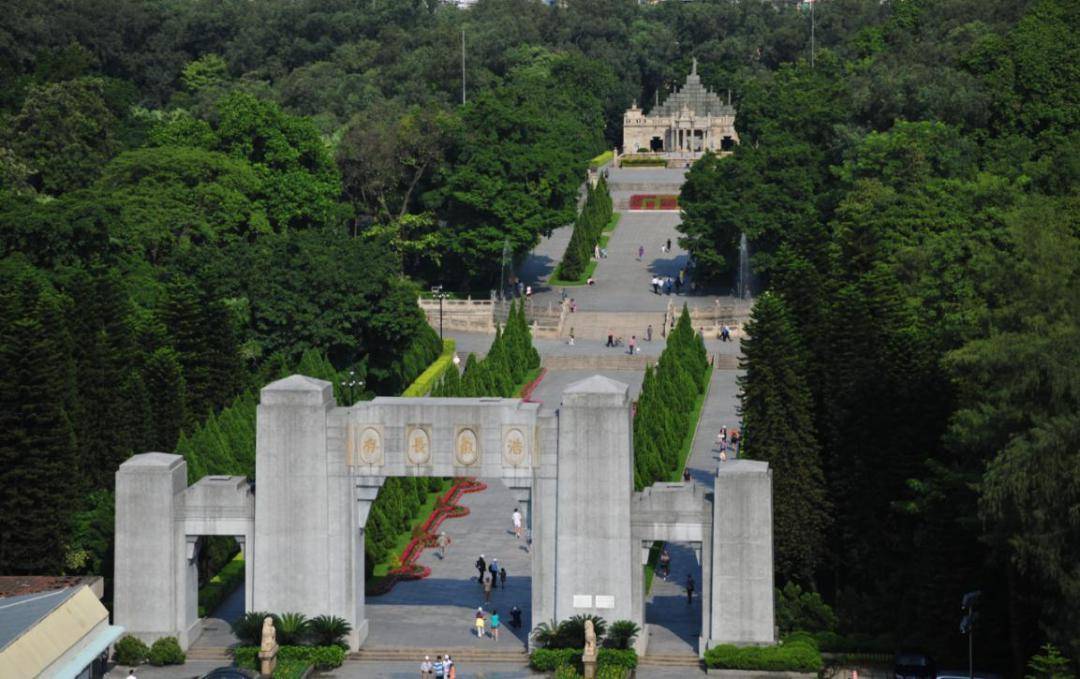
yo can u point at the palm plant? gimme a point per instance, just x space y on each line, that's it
546 633
329 630
572 631
621 634
292 628
248 628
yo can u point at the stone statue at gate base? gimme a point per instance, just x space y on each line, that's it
269 648
588 658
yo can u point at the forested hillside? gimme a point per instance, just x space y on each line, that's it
197 195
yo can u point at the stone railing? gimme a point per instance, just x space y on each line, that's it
710 320
461 315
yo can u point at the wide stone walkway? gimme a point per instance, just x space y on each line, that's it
438 611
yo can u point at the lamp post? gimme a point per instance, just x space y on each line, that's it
437 291
351 383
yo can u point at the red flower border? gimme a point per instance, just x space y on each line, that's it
446 507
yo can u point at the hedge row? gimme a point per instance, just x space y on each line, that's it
321 657
592 219
426 382
551 659
506 366
226 580
602 159
666 404
631 161
794 655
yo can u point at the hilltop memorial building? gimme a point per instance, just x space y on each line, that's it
691 120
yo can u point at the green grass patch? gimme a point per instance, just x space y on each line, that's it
403 537
529 377
615 217
684 453
227 579
423 384
560 282
602 159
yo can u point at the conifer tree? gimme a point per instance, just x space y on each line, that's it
165 386
777 412
37 439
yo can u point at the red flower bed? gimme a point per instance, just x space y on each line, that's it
642 201
424 536
526 393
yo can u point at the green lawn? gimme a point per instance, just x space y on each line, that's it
529 377
403 537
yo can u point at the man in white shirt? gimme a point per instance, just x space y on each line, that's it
517 523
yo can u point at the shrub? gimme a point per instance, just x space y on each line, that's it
166 651
602 159
248 628
795 656
621 634
427 379
799 610
615 657
292 628
611 672
329 630
130 651
550 659
566 672
290 669
322 657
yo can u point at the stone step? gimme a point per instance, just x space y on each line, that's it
669 660
517 655
208 653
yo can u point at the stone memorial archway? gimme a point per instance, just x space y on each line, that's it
319 467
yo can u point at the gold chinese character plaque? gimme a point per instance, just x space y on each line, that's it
514 451
466 447
418 445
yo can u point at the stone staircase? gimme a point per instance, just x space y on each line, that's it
670 660
594 325
516 655
216 653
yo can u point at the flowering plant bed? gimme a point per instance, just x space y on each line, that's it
425 536
653 202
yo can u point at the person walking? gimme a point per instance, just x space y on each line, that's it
479 623
515 617
570 340
426 668
439 668
451 670
596 251
669 245
502 577
528 292
725 333
633 342
487 589
648 333
665 563
481 566
656 285
495 624
494 568
640 252
689 589
443 542
516 516
610 338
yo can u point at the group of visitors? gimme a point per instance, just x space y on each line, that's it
727 440
664 285
442 668
725 333
490 574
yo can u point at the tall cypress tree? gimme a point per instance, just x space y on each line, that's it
37 439
164 381
777 412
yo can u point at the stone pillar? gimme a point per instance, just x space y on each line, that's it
596 558
543 519
742 555
150 560
306 532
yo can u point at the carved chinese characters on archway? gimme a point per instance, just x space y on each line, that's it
466 447
364 444
418 445
514 447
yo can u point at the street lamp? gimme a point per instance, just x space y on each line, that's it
351 383
437 291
